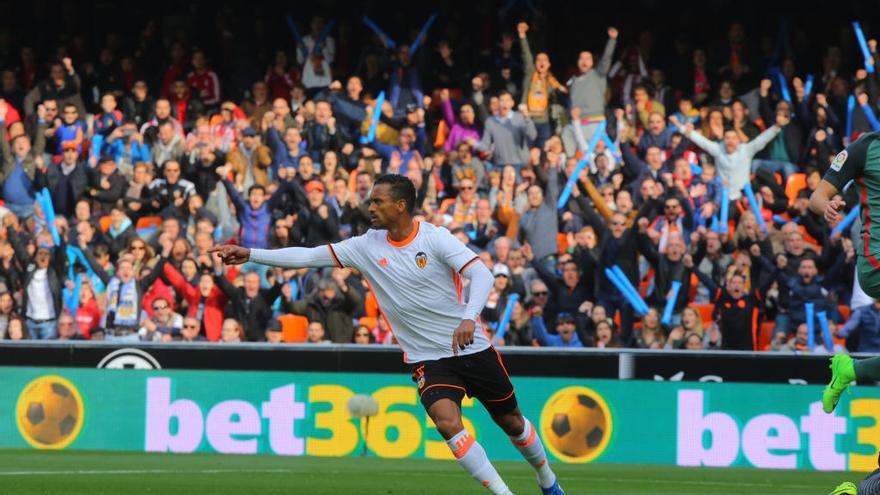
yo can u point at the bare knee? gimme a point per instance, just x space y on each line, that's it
513 423
449 427
447 417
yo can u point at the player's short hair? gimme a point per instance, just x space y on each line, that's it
401 188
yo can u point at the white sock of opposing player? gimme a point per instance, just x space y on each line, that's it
473 459
529 445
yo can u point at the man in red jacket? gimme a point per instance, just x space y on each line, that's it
206 302
204 81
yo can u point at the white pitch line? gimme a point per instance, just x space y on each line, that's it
88 472
625 480
84 472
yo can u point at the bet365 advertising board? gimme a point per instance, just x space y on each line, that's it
294 414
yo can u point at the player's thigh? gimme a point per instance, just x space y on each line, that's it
488 381
869 277
436 381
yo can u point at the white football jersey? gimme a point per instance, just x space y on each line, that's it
417 283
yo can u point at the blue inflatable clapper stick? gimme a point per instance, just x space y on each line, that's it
297 37
826 331
850 106
374 119
503 323
847 220
670 303
753 202
811 325
866 53
322 37
421 37
638 302
808 86
376 29
724 226
572 180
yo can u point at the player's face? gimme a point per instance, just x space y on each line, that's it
384 209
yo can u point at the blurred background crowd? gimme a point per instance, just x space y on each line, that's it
563 147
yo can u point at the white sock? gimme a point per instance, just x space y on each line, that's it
473 459
529 445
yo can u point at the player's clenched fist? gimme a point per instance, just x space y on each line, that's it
232 255
463 336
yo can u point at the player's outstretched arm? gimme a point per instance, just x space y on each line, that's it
293 257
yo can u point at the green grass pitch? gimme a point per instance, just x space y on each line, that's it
96 473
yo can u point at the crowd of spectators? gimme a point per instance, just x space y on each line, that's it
147 171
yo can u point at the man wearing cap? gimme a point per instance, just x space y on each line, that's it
565 334
323 224
333 305
502 289
106 186
250 161
273 332
67 181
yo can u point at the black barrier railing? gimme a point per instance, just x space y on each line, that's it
721 366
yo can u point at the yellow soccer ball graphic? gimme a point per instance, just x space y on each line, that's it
576 424
49 412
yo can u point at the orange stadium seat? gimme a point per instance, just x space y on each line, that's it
562 241
793 186
106 221
148 223
845 311
369 321
765 335
294 328
705 311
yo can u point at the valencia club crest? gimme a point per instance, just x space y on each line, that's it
421 259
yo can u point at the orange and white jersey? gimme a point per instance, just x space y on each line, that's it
417 283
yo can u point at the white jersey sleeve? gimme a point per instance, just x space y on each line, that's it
452 251
293 257
349 253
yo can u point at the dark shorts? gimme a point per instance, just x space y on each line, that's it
481 375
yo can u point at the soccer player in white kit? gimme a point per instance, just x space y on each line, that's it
415 270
